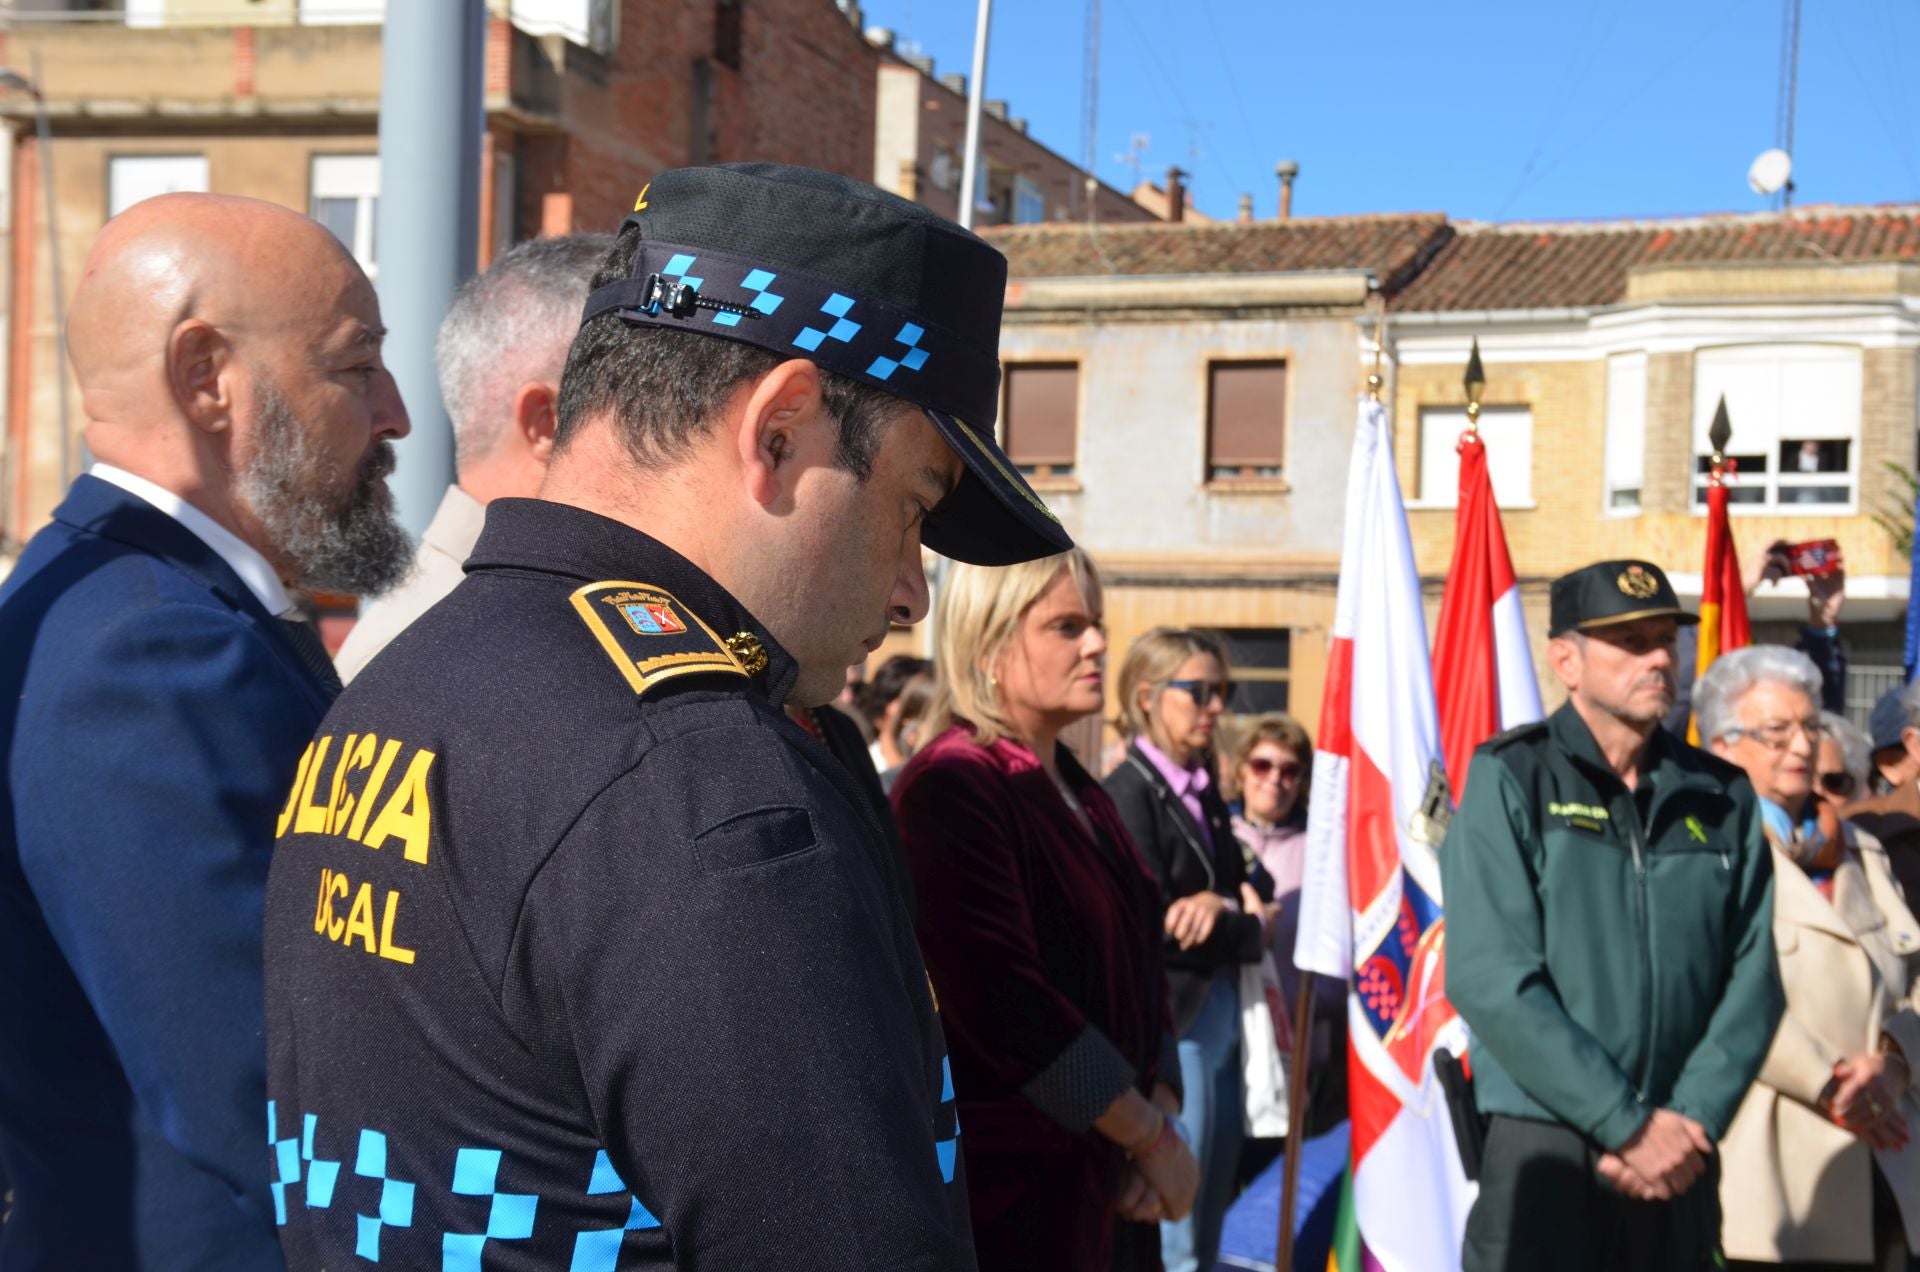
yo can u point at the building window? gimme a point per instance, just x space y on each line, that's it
1029 204
726 33
1795 412
1262 659
1626 446
1246 420
342 12
944 171
131 178
1507 432
346 194
1042 417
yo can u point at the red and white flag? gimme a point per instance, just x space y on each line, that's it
1370 902
1482 665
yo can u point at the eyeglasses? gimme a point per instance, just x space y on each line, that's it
1837 784
1202 692
1260 766
1776 734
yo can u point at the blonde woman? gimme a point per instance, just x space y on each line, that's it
1172 691
1040 926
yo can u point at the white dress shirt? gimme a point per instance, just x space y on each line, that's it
254 570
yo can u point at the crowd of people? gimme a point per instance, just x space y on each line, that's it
599 919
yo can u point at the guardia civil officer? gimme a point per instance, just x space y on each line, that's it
1609 908
580 952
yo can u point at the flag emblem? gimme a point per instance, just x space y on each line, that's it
652 618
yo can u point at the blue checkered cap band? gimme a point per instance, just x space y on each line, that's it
795 314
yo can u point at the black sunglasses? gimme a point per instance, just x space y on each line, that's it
1202 691
1840 784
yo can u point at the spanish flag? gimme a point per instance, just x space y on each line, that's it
1723 600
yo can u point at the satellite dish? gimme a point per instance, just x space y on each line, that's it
1770 172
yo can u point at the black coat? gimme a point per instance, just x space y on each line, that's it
1170 843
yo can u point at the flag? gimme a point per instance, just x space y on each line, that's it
1370 900
1723 598
1482 665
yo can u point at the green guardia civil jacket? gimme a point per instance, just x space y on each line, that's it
1612 952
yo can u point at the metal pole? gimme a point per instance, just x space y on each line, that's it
976 92
431 110
1296 1121
44 129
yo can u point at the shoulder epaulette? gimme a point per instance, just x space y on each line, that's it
652 637
1530 731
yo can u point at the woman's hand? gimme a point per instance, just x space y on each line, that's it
1171 1172
1190 920
1138 1202
1863 1098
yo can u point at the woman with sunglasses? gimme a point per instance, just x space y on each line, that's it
1846 760
1172 691
1816 1168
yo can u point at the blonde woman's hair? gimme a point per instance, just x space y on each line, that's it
980 610
1155 657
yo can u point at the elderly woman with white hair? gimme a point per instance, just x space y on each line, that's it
1816 1168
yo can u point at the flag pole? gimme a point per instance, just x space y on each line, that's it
1303 1001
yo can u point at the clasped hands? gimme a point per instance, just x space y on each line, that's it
1160 1185
1864 1097
1665 1157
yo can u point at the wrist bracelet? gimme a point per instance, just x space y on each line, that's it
1158 1144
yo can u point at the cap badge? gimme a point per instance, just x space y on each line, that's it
748 652
1637 583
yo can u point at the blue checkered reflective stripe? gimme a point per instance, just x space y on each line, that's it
947 1151
474 1173
787 311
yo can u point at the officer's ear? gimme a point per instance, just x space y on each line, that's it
1563 655
201 374
781 428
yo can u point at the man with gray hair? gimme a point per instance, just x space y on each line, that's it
500 351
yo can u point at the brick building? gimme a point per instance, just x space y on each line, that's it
279 99
1607 347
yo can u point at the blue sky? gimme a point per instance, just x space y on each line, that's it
1484 109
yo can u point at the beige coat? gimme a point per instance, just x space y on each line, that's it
438 568
1793 1185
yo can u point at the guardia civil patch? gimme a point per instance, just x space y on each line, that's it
650 635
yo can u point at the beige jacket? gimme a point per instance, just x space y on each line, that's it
1794 1186
437 570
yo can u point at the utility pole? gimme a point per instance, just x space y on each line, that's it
431 109
976 93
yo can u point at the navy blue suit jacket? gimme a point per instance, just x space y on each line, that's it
152 714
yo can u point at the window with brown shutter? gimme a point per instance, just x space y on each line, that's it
1246 420
1042 417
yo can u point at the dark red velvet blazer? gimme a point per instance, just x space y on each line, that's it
1033 931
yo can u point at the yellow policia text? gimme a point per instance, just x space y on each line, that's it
358 924
345 803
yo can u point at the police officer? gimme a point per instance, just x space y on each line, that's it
1609 906
580 952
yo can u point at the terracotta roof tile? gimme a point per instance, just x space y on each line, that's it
1393 247
1571 266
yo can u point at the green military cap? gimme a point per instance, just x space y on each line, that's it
1612 592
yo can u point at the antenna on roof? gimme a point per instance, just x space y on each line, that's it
1773 170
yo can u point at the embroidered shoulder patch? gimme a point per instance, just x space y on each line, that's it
650 635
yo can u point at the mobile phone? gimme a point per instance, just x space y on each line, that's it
1816 558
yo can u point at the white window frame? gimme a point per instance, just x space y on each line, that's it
342 12
1028 197
1776 392
356 177
1625 448
132 178
1502 428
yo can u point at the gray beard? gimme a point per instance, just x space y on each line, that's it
349 543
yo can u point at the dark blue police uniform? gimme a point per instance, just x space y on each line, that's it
619 984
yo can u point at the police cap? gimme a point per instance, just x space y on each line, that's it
1612 592
865 284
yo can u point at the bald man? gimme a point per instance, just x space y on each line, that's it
156 690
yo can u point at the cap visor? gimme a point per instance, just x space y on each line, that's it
1679 616
992 517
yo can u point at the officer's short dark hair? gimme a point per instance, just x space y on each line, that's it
661 387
